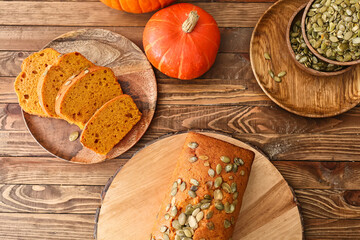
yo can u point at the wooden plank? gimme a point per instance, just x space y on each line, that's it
329 229
51 170
49 199
32 38
228 66
321 175
15 226
97 14
314 147
229 119
337 204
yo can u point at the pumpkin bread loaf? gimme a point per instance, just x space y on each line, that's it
110 124
80 97
26 82
206 191
70 64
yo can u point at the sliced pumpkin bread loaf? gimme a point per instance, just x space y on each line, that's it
80 97
26 82
70 64
110 124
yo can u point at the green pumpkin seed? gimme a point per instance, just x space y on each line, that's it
210 225
163 228
227 207
199 216
211 172
182 218
225 159
193 145
218 182
193 159
192 222
267 56
175 224
173 211
187 233
235 195
233 187
228 167
219 205
277 79
194 182
226 187
203 157
271 73
227 223
209 214
192 194
218 194
218 169
242 172
282 74
182 186
239 161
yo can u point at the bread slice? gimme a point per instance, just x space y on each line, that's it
79 98
68 65
26 82
110 124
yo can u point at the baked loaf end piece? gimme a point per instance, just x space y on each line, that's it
70 64
26 82
206 191
110 124
79 98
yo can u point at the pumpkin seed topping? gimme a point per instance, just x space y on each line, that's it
271 73
203 157
182 186
195 212
192 194
242 172
239 161
218 194
194 188
173 211
193 145
235 168
277 79
192 222
193 159
210 225
225 159
207 196
187 232
209 214
166 236
182 218
209 184
218 182
232 220
211 172
163 228
173 191
167 216
194 182
199 216
218 169
233 187
179 181
235 195
219 205
173 201
73 136
227 207
228 167
206 164
205 206
226 187
227 223
282 74
267 56
175 224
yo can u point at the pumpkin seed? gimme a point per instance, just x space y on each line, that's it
225 159
163 228
218 194
167 216
210 225
228 167
199 216
226 187
239 161
173 211
194 188
194 182
271 73
267 56
211 172
209 184
182 186
209 214
193 145
192 194
219 205
242 172
195 212
227 207
207 196
203 157
282 74
73 136
218 182
187 232
277 79
227 223
182 218
175 224
232 220
173 201
193 159
235 195
166 236
192 222
206 164
218 169
235 168
168 207
205 206
173 191
339 25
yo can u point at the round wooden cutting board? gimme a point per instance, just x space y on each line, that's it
135 75
299 92
133 196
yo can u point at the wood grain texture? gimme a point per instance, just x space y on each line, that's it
299 92
329 229
97 14
265 187
32 38
30 226
49 199
132 70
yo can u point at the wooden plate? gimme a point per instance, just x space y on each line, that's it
299 92
133 71
133 196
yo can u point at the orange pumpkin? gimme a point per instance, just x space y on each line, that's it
137 6
182 41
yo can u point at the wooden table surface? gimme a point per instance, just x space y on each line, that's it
42 197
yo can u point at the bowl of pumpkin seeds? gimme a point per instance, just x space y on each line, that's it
331 30
302 55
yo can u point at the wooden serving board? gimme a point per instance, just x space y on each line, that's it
299 92
135 75
133 197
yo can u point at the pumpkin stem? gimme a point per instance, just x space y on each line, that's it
190 23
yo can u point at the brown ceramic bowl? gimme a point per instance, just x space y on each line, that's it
303 28
298 15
